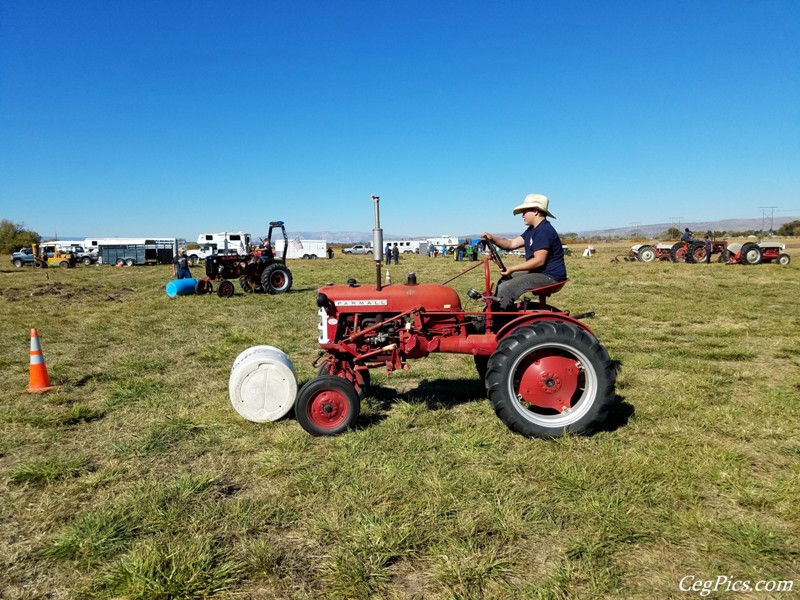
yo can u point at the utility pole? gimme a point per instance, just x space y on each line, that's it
764 210
677 220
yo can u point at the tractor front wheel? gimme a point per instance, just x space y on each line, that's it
276 279
225 289
784 259
549 379
725 256
327 405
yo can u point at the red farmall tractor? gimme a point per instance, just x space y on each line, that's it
545 372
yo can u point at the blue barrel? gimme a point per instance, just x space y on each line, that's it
181 287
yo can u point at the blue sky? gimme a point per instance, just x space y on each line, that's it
173 118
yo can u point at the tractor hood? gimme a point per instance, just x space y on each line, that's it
393 298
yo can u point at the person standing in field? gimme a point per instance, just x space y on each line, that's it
180 266
544 254
388 252
395 253
708 249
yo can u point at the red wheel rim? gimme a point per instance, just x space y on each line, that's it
278 279
548 381
328 409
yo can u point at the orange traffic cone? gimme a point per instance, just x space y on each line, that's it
40 380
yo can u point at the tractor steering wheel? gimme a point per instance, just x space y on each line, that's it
495 255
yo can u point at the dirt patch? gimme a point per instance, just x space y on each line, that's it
66 292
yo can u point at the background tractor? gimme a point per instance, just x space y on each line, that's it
545 372
256 272
752 253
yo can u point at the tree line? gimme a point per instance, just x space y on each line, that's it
14 236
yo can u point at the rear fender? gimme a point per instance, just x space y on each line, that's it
528 319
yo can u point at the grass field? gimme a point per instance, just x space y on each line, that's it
137 479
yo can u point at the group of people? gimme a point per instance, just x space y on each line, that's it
391 252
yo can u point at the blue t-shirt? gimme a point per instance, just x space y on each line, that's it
544 237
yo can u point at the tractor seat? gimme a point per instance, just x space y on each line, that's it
547 290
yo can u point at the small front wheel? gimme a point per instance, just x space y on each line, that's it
225 289
549 379
202 287
327 405
784 259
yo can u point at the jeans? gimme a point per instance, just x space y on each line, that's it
508 290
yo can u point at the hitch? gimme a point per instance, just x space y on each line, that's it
586 315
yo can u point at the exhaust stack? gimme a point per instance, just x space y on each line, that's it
377 243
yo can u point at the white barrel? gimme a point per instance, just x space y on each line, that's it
263 384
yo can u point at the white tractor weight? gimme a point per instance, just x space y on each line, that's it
263 384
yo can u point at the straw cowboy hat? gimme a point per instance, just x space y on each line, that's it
535 201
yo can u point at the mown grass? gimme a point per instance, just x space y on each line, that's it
137 479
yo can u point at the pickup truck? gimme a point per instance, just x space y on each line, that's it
358 249
23 257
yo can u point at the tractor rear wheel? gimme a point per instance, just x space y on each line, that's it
751 254
646 254
225 289
276 279
549 379
678 252
327 405
784 259
696 253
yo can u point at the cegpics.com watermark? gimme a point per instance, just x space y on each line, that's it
725 583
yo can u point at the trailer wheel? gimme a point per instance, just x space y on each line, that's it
202 287
313 257
751 254
784 259
17 263
646 254
129 262
276 279
327 405
225 289
120 262
549 379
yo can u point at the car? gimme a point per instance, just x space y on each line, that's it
358 249
22 258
